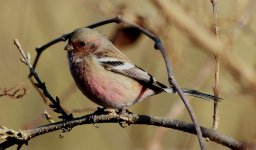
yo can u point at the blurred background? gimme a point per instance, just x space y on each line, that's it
36 22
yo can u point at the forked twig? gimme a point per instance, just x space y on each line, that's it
55 102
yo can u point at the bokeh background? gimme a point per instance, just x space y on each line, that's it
36 22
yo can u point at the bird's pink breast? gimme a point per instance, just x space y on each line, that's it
107 88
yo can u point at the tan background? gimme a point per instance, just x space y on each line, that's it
35 22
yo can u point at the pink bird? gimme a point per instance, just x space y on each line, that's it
107 77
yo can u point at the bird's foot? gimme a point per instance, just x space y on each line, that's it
104 111
123 115
124 119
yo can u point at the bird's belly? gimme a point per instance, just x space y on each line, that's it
113 92
110 89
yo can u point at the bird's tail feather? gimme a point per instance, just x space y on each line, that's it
194 93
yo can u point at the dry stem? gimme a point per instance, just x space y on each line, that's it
216 87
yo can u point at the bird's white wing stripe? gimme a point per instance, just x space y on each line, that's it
107 59
121 64
124 66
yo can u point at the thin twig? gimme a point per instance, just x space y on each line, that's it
45 100
177 109
15 92
216 87
55 102
132 119
191 113
47 116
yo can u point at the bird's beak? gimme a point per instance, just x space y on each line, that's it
69 47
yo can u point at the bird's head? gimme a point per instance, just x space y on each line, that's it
84 40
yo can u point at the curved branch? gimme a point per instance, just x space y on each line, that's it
64 37
24 136
172 81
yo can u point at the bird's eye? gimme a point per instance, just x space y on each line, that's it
81 44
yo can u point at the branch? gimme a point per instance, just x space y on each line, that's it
159 46
41 85
171 79
23 136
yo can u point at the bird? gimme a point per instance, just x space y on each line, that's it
107 77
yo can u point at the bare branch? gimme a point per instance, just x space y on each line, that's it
55 102
113 117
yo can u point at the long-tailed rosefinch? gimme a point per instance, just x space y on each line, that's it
107 77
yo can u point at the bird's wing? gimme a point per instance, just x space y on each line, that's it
132 71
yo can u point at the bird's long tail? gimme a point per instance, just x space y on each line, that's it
194 93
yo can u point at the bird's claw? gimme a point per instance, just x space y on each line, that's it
103 110
121 114
124 119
